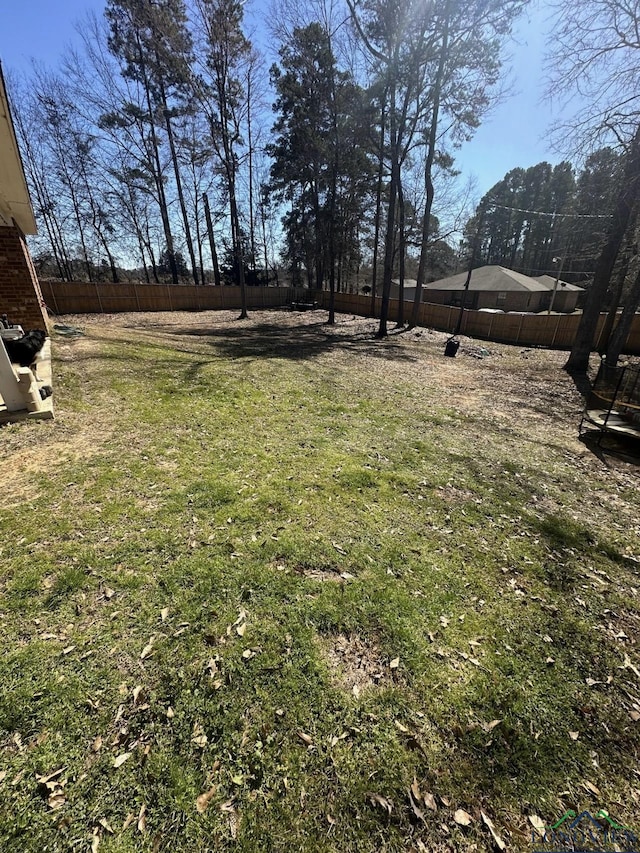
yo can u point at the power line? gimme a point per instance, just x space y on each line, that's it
554 215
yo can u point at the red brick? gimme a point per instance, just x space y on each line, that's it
20 294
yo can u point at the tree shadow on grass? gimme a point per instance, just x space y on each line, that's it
611 449
300 343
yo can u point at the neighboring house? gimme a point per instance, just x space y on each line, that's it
567 295
498 287
20 295
409 289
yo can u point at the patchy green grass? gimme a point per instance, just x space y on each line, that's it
298 571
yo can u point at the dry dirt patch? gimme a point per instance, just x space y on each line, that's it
355 664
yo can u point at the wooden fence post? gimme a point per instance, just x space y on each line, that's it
53 297
95 284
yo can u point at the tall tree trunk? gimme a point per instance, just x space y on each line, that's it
139 235
390 232
176 171
236 237
578 361
428 171
319 242
615 302
621 332
263 222
157 171
252 235
76 212
376 237
402 247
212 242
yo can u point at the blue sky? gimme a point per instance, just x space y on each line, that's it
515 134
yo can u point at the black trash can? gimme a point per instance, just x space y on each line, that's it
451 347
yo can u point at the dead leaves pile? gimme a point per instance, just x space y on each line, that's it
422 803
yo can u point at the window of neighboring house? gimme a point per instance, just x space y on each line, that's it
501 298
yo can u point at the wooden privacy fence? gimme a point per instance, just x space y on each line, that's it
557 331
554 331
83 297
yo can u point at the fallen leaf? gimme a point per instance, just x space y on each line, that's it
430 802
574 735
56 800
347 576
462 818
120 760
142 818
444 621
170 713
592 788
635 716
538 824
137 690
48 777
241 629
108 592
199 738
378 800
628 665
95 843
395 663
305 738
489 824
164 613
415 789
96 746
489 727
242 617
105 825
247 654
413 800
401 727
204 799
146 652
130 818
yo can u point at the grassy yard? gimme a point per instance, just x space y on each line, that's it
271 586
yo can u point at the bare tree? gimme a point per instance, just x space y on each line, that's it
597 54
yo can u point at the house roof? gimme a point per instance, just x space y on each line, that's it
490 278
550 281
15 204
408 282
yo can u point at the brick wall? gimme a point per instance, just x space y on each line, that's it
20 295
